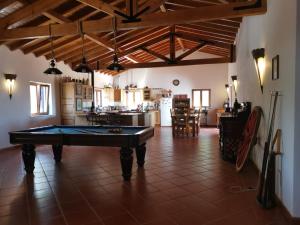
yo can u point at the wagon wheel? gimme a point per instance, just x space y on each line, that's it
249 137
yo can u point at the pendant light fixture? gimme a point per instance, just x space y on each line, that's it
83 67
115 66
52 68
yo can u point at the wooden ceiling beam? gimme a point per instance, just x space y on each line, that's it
208 35
209 30
180 63
32 10
140 36
155 54
187 3
180 43
93 37
24 45
101 5
74 50
55 17
199 39
172 43
5 3
157 19
126 52
89 54
44 48
190 51
133 59
153 5
131 7
218 27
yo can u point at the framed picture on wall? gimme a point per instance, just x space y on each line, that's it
275 68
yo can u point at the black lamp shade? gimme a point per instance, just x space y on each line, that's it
116 66
83 67
258 53
234 78
52 69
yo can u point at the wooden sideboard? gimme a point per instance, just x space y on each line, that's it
231 130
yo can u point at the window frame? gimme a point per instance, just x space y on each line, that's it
96 98
38 98
134 91
201 90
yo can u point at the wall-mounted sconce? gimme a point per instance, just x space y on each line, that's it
227 103
260 64
10 83
234 80
227 90
236 105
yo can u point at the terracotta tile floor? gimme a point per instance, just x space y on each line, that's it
185 182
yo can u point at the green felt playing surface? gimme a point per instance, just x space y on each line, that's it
86 130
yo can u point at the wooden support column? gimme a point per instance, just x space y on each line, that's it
232 53
131 7
172 44
93 87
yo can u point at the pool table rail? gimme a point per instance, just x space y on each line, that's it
41 136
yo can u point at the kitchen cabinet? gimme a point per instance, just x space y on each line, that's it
147 94
117 95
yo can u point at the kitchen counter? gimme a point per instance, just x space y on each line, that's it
118 118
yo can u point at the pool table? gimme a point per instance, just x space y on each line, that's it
126 137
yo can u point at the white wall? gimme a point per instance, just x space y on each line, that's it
276 32
297 124
212 77
15 113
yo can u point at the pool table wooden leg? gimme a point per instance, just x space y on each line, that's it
28 155
140 154
126 162
57 151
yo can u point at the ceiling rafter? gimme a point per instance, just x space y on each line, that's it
151 20
190 51
32 10
155 54
180 63
27 43
101 5
166 26
5 3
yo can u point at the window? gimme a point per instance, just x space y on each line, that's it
201 98
39 98
134 98
98 98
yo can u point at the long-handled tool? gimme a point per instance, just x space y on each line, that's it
260 193
269 188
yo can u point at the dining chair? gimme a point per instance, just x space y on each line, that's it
182 124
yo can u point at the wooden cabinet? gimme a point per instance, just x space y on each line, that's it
219 112
157 117
107 96
231 130
75 97
181 103
87 92
147 94
117 95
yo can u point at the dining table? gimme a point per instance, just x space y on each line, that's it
193 121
